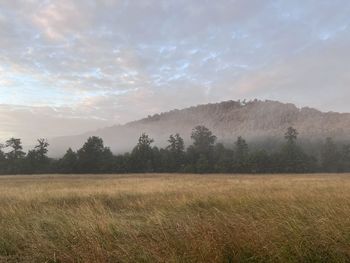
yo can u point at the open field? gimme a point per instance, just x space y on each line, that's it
175 218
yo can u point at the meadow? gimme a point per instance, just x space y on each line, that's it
175 218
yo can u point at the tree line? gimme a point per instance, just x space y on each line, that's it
204 155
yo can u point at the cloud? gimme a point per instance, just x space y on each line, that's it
111 61
316 77
30 123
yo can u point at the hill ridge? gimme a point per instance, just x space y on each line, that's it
255 120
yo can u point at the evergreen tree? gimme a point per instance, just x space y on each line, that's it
203 144
202 165
32 163
142 155
292 159
203 140
16 149
166 161
156 161
41 150
36 159
291 136
241 156
260 162
222 158
15 156
203 156
123 163
93 157
68 163
191 157
345 159
176 150
330 157
2 159
2 154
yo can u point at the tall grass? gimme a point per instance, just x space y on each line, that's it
175 218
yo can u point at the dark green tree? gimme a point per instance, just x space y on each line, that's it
156 162
260 162
176 144
345 159
330 157
203 140
41 149
32 164
68 163
123 163
191 157
15 156
36 159
292 158
94 157
16 148
202 165
241 156
2 159
223 158
176 150
203 144
142 155
2 154
291 135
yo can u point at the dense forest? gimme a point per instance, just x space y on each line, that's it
204 155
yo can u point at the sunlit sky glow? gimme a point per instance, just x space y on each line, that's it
69 66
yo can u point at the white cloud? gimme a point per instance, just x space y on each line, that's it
111 61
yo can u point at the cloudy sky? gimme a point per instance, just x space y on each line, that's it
69 66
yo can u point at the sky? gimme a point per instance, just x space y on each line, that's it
71 66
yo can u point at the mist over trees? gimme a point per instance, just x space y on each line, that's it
204 155
261 123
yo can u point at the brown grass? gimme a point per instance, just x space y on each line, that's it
175 218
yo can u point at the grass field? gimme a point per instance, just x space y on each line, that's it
175 218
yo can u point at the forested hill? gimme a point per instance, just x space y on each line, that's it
254 120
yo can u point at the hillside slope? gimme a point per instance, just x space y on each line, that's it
255 120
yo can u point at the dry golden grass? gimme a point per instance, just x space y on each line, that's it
175 218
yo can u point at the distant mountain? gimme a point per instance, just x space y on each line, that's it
254 120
